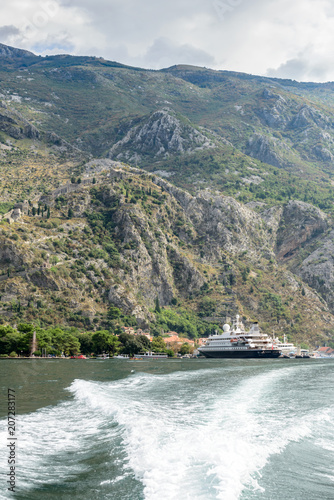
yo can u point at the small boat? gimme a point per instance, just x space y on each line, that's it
151 355
285 347
302 353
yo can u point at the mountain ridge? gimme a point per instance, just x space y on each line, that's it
243 223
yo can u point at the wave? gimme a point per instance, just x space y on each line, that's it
199 435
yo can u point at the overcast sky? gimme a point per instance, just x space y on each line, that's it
284 38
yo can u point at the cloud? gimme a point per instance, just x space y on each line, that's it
51 44
164 53
268 37
8 31
304 69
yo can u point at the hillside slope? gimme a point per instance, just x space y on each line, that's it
230 211
124 238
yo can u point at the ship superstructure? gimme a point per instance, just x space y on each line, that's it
235 342
285 347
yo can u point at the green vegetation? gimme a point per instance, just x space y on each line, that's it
71 341
121 250
5 207
185 323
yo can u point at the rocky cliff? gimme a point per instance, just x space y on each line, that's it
157 136
129 238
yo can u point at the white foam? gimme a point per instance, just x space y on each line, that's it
197 435
211 442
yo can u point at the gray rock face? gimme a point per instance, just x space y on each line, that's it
228 225
12 52
263 149
31 132
276 113
186 277
124 299
323 154
269 94
15 125
272 116
9 254
308 116
300 223
43 279
161 134
317 270
221 221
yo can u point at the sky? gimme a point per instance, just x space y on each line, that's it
282 38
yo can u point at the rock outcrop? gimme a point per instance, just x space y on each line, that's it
157 136
300 223
317 270
264 149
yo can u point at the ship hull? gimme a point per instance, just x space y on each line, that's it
251 353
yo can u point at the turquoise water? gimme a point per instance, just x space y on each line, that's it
171 429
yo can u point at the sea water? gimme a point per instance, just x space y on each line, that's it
170 429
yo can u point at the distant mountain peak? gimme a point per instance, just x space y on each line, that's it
8 51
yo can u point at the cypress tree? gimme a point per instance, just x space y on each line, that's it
157 305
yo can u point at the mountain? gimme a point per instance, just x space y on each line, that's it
90 221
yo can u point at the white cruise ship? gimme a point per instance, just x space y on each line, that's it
237 343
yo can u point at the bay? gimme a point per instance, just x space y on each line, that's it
170 429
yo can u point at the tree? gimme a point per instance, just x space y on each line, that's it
124 337
104 341
132 346
33 211
114 344
185 349
157 305
232 279
101 341
9 340
86 342
145 342
48 213
44 339
64 341
114 312
70 213
245 273
207 306
158 344
25 328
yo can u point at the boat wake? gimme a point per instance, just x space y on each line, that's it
196 435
